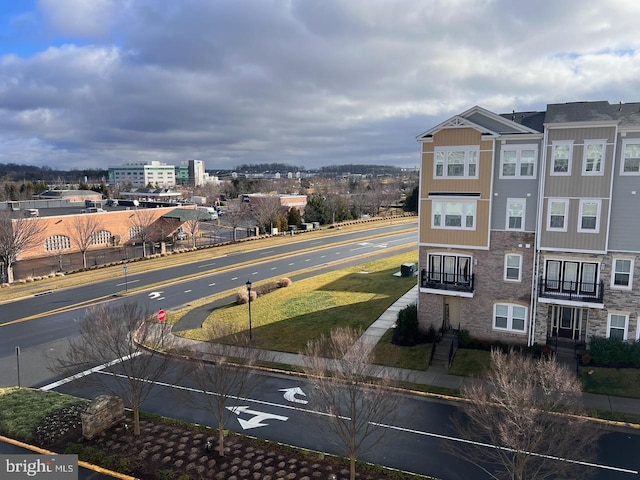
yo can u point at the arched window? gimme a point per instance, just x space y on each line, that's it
56 243
102 237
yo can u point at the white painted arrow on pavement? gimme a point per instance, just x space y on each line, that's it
290 395
155 295
256 419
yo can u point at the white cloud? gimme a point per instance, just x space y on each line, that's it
305 82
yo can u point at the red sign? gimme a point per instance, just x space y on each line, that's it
162 316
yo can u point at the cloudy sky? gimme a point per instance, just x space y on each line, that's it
91 83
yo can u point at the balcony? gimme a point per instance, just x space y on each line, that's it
450 282
584 292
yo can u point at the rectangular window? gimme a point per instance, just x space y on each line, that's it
572 277
622 275
455 215
513 267
557 215
593 163
454 269
588 278
515 213
518 161
507 316
617 326
630 157
456 162
561 160
589 216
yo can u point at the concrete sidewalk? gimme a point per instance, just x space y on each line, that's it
436 376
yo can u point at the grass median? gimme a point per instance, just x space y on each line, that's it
286 319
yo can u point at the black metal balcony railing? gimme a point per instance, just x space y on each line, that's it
576 291
447 281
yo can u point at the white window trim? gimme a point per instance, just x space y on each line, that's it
566 211
510 318
632 141
553 158
506 257
466 203
463 148
582 202
518 149
521 201
626 324
613 274
602 161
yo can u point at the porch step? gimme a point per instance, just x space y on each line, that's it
441 354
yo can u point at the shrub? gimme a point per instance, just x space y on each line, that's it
242 296
407 327
284 282
613 352
464 338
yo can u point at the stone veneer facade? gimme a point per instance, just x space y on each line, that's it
476 314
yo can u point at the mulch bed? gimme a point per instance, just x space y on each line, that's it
166 451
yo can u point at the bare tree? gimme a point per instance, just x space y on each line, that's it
223 373
237 214
115 335
351 391
141 222
83 233
192 224
267 211
524 419
16 236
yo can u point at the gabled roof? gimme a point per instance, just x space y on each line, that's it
478 118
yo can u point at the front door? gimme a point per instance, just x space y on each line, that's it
568 322
451 313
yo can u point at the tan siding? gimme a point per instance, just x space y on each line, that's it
449 138
475 238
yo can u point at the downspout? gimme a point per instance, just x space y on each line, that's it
542 171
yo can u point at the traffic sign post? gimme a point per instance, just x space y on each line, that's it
162 316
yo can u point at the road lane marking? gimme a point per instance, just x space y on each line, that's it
212 284
126 283
187 291
88 372
506 449
382 425
206 265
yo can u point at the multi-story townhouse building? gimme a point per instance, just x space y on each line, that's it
587 242
478 193
526 223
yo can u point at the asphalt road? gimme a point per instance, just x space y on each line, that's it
45 335
417 440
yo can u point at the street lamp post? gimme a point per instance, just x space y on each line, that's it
249 293
126 283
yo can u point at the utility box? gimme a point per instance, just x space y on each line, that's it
408 270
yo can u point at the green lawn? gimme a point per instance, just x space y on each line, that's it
619 382
469 362
390 355
287 318
21 410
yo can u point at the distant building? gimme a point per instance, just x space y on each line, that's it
143 173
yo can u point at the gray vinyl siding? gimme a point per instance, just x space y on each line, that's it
625 206
506 188
572 240
578 186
